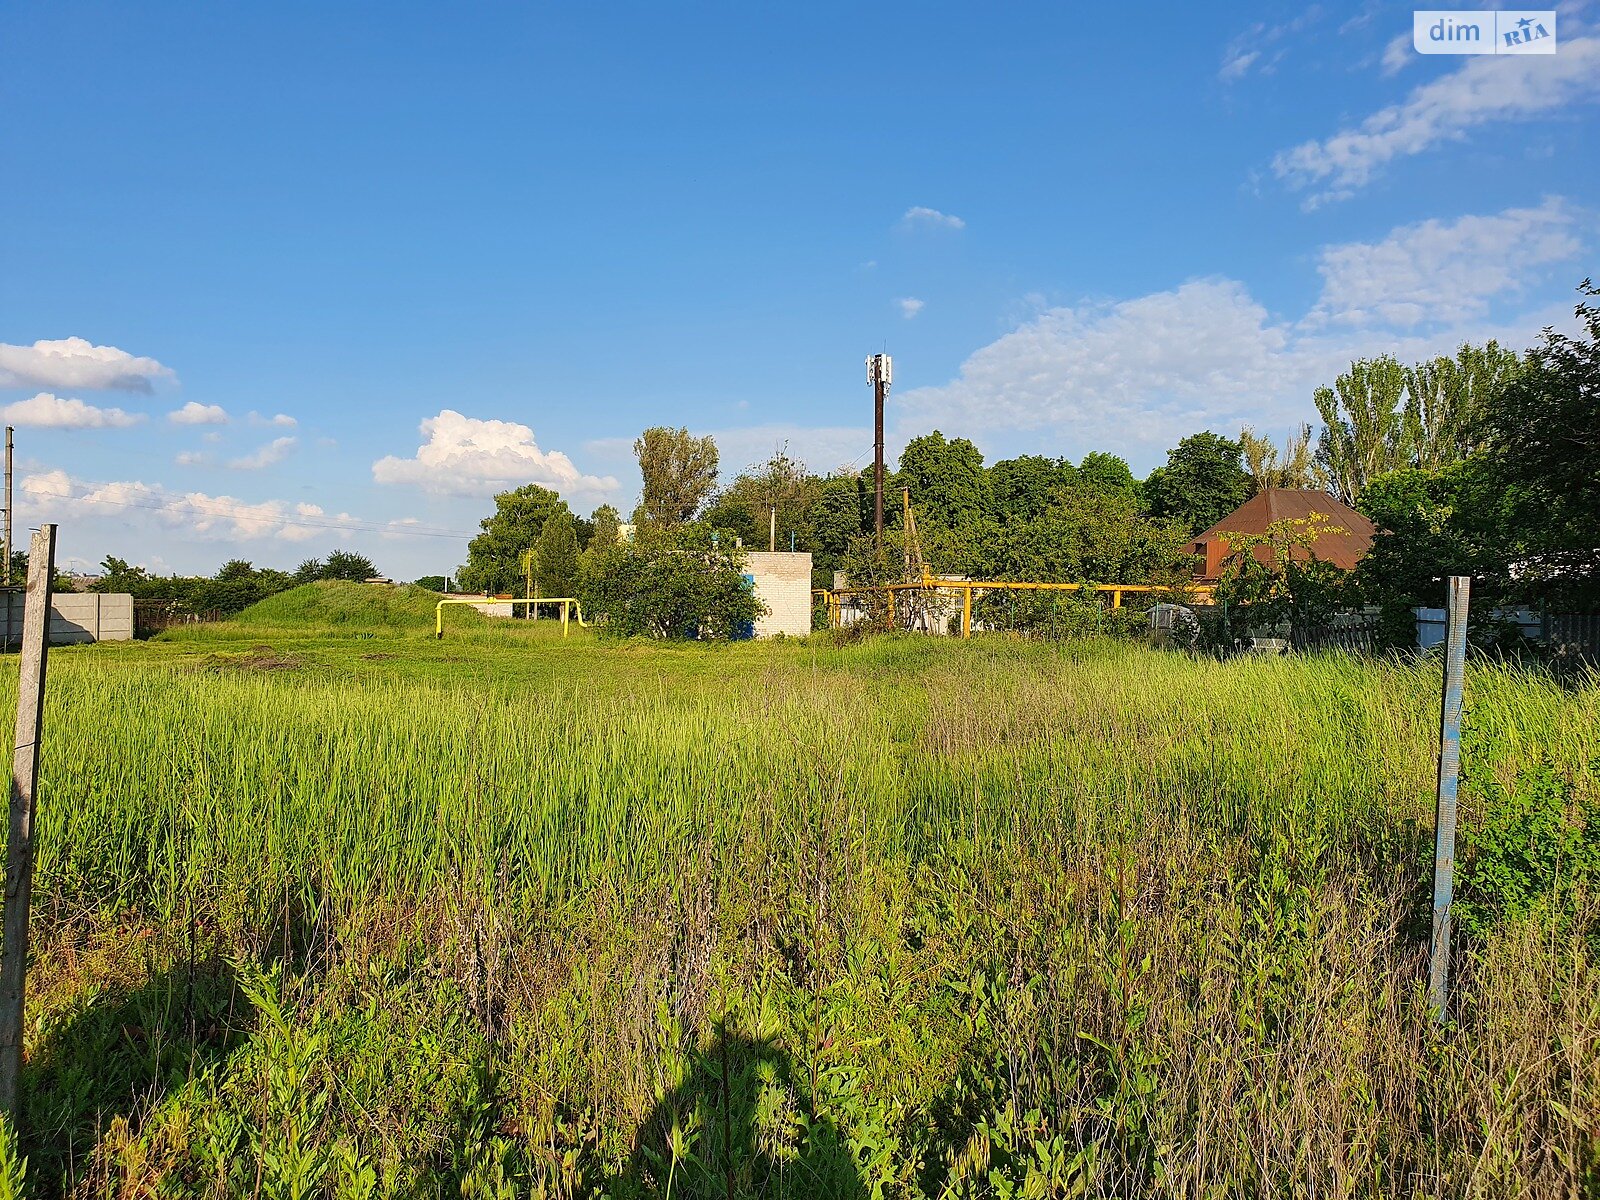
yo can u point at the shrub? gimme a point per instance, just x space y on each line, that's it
1533 848
670 586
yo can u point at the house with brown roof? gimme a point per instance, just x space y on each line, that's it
1345 540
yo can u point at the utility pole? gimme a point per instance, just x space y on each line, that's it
880 371
8 512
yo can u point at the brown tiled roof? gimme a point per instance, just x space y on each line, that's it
1345 543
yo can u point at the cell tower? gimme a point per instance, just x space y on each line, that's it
880 373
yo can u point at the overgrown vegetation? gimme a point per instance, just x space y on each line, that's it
510 915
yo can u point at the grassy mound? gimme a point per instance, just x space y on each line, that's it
353 605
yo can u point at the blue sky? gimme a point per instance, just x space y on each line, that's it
277 279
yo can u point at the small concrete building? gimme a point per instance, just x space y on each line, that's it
782 581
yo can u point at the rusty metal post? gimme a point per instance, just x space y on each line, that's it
24 789
1444 820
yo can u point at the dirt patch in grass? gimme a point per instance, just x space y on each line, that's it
260 658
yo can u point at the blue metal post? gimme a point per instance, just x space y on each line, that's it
1444 820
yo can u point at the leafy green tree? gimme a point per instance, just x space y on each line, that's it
494 557
1275 579
233 570
1365 432
1090 535
432 583
1448 400
1295 467
605 524
1543 443
1432 524
347 565
115 575
1025 486
1204 480
556 556
946 479
309 571
679 472
671 585
780 489
836 514
1106 474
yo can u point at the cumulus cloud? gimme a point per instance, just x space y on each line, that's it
47 411
77 363
1446 270
1484 89
931 218
1134 376
1121 372
194 413
910 307
196 514
277 420
465 456
191 458
270 455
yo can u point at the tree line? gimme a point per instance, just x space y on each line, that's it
236 585
1486 461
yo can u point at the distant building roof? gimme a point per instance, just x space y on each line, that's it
1345 542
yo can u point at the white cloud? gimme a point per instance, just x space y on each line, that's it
278 420
1235 63
194 514
1250 48
1399 54
1136 375
1115 373
270 455
1484 89
194 413
191 458
910 307
931 218
465 456
78 364
47 411
1446 270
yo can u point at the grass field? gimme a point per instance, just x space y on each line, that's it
327 907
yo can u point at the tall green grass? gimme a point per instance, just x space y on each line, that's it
986 904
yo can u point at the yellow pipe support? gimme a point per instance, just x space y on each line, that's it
564 601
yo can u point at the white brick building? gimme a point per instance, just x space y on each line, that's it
783 583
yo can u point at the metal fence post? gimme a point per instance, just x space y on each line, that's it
1444 820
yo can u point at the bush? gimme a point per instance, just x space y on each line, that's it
1533 849
672 586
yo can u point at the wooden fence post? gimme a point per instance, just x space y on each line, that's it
24 783
1444 818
